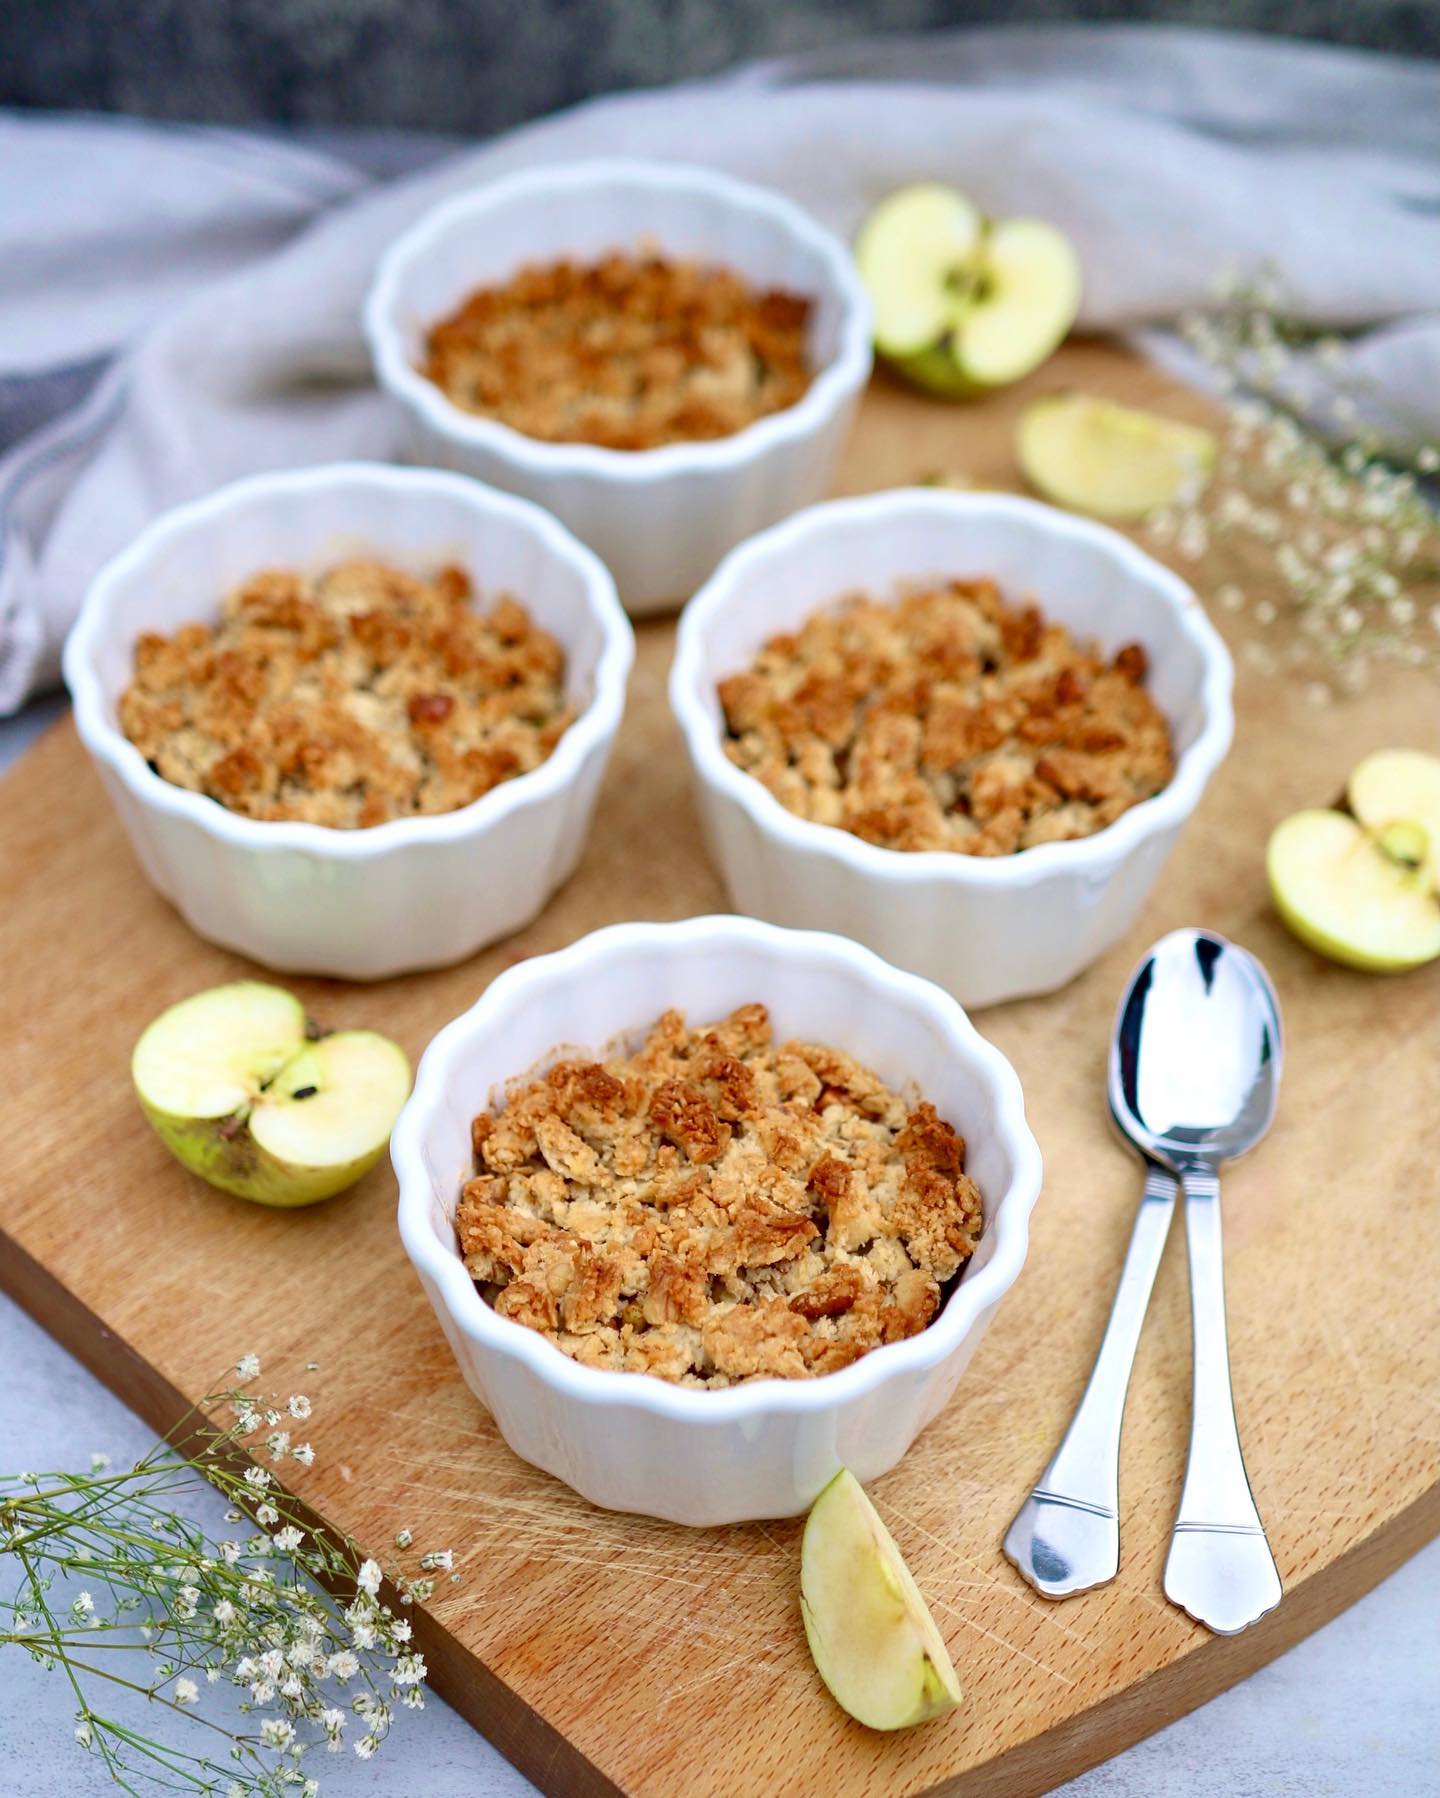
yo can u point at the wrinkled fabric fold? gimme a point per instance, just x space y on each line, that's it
1168 155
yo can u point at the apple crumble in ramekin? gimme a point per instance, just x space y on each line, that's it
348 698
628 352
948 719
717 1208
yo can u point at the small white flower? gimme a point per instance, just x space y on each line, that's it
291 1687
248 1367
409 1670
224 1613
288 1539
272 1663
186 1692
342 1666
277 1443
1428 459
84 1604
262 1691
366 1746
211 1675
257 1479
229 1553
442 1559
368 1578
266 1515
362 1635
310 1789
333 1721
298 1405
83 1733
400 1630
412 1698
403 1538
99 1462
304 1454
277 1732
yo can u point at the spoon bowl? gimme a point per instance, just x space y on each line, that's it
1196 1054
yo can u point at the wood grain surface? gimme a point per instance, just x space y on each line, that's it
607 1653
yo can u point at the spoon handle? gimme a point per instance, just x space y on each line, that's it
1220 1568
1066 1536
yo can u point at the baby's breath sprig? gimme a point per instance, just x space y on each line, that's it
117 1589
1319 490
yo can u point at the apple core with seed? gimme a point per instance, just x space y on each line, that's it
245 1093
1363 887
962 303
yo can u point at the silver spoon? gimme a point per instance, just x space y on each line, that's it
1194 1072
1066 1536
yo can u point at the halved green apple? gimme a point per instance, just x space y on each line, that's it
1397 786
1363 897
963 303
246 1094
874 1641
1112 461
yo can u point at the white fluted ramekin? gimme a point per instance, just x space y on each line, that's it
413 893
632 1442
985 929
660 519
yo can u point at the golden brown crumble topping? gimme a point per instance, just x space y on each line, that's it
715 1208
348 698
947 719
630 352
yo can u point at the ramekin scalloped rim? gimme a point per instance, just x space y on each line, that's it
611 1435
141 793
703 495
877 875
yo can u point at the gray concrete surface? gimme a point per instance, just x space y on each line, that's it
478 66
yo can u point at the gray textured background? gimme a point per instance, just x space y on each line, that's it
477 66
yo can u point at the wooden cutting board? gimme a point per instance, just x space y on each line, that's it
606 1653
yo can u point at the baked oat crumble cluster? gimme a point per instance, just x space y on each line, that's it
630 352
948 719
348 698
717 1208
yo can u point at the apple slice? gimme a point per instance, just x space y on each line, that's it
873 1639
962 303
244 1093
913 253
1396 786
1113 461
1362 897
